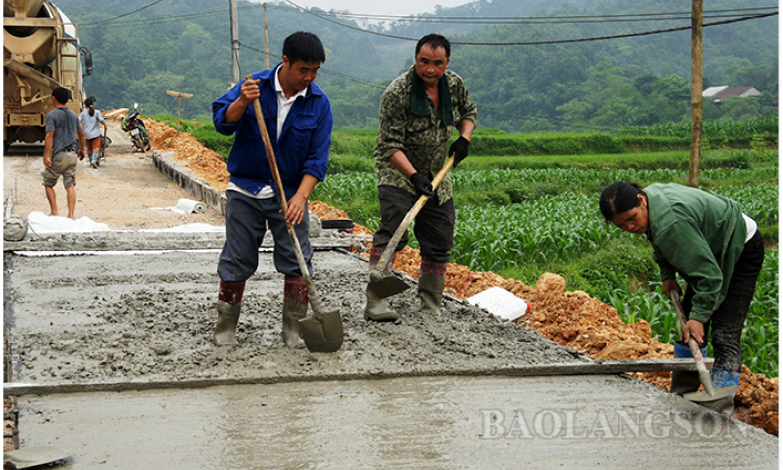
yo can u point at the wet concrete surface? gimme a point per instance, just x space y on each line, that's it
424 422
397 395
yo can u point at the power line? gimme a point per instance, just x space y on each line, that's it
535 43
567 19
323 70
129 13
602 38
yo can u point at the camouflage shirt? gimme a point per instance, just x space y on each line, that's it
423 139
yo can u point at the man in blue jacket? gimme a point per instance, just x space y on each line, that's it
298 117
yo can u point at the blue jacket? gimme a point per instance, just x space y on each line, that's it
303 146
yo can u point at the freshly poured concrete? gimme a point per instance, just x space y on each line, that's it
426 422
136 319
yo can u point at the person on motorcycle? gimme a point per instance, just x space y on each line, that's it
91 121
299 118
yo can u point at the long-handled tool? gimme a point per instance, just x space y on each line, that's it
710 394
321 331
383 283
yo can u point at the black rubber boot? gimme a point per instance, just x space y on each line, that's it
685 382
378 309
431 282
295 302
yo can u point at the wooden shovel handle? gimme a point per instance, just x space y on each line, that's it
270 154
704 375
406 222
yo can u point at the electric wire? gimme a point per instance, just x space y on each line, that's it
323 70
567 19
129 13
537 43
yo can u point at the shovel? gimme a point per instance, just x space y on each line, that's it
321 331
383 283
710 394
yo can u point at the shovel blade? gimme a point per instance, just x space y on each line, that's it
705 397
322 332
385 284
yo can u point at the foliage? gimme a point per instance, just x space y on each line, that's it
521 222
585 86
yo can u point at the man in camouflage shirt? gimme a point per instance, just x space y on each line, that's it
419 111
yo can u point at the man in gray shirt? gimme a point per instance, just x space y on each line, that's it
60 149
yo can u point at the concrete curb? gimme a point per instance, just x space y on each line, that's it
210 196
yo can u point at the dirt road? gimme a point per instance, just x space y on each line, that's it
123 192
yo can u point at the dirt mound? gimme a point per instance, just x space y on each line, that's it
573 319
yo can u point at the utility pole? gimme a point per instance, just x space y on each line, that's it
696 92
266 39
232 9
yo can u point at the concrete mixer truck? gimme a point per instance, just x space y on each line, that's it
40 53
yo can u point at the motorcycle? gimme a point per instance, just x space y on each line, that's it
135 126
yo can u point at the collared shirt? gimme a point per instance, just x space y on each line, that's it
301 145
698 235
283 108
423 139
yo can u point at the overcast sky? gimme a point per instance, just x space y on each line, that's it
388 7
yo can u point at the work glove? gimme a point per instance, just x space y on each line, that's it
422 185
459 149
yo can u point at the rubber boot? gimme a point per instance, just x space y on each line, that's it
378 309
229 305
685 381
723 380
92 160
295 302
228 316
431 282
95 158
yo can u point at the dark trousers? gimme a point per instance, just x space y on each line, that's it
727 321
247 221
433 227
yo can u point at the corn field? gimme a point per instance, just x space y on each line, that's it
563 227
724 130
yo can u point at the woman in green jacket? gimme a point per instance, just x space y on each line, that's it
715 248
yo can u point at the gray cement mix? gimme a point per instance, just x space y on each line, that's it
393 396
150 316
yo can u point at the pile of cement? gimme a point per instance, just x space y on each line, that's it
149 316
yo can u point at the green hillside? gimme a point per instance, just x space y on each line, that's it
598 85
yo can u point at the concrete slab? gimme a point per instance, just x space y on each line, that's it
420 394
595 422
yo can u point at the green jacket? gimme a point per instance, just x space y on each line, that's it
423 139
698 235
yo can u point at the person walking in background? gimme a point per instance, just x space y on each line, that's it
299 118
715 248
91 120
60 150
418 113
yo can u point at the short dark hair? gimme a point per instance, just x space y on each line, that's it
62 95
434 41
305 47
619 197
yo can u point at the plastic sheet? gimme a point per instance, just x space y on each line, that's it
39 223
